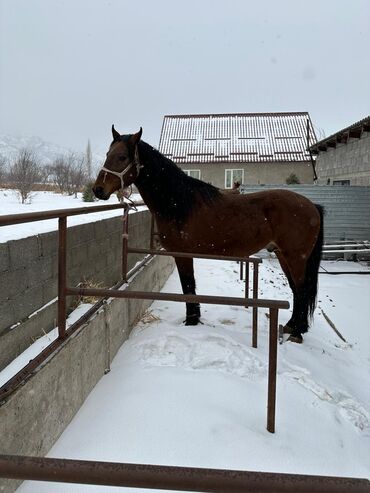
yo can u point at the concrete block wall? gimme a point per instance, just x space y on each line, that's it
29 274
350 161
36 414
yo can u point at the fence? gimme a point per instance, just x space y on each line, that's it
151 476
347 209
64 291
173 478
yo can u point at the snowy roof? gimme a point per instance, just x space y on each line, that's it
237 137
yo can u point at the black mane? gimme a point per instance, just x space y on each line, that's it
172 194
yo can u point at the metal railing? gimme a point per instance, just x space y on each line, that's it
172 477
154 476
63 291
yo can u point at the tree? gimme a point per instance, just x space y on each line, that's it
88 160
292 179
24 173
2 170
69 173
60 173
77 173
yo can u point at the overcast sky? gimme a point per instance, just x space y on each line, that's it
71 68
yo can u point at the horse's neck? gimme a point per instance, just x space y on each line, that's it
154 186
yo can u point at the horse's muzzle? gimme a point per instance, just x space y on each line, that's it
100 194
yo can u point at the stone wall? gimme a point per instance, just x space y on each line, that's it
29 268
349 161
254 173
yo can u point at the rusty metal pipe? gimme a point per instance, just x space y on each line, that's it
254 260
172 477
28 217
255 313
124 244
271 392
62 276
188 298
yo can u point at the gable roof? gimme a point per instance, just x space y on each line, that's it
342 136
237 137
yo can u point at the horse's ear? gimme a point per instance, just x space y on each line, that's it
135 138
116 135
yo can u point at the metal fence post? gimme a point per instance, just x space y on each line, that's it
124 243
271 393
62 276
255 313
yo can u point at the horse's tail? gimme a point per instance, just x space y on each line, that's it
313 264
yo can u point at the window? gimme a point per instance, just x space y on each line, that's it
233 175
194 173
341 182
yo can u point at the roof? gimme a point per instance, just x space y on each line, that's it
341 137
237 137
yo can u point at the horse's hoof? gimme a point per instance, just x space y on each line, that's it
287 329
192 320
297 339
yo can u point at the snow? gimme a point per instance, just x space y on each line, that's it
39 345
196 396
44 201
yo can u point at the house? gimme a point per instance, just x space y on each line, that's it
249 148
344 157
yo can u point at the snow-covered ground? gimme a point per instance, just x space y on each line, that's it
45 201
196 396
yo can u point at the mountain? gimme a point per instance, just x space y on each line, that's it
45 151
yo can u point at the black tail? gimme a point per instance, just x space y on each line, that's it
313 264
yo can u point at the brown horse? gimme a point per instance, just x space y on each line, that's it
193 216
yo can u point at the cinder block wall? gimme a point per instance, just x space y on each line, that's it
35 415
350 161
29 274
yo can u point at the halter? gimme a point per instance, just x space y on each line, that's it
120 174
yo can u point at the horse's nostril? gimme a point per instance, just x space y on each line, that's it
98 191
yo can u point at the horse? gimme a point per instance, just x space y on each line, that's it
196 217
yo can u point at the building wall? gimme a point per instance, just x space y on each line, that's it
349 161
254 173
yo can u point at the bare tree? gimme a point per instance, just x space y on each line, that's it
69 173
2 170
60 173
45 173
24 173
77 173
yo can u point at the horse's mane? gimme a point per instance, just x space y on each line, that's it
176 194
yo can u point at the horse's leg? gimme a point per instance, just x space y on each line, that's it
298 323
291 325
185 267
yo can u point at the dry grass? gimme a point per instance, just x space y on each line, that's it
87 284
149 317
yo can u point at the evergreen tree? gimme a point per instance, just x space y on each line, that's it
88 160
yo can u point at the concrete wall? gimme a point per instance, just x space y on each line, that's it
28 274
349 161
254 173
34 416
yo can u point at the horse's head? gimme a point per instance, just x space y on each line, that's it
121 166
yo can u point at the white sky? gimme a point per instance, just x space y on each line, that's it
71 68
